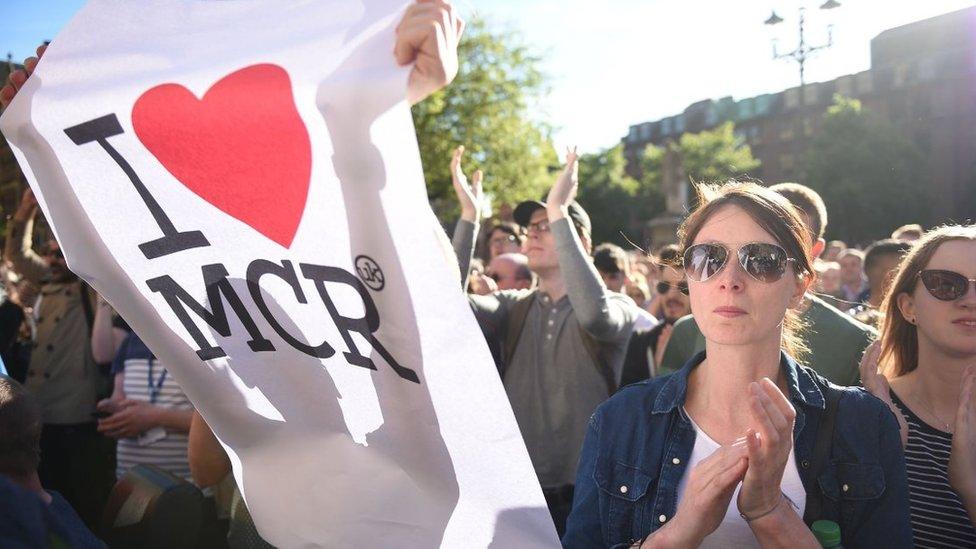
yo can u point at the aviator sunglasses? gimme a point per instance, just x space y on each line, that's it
764 262
945 285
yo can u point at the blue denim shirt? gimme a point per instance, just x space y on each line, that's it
639 441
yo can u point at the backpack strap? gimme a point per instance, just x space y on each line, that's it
86 304
513 331
821 455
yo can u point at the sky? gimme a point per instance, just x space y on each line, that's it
613 63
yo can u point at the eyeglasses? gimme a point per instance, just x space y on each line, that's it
665 287
764 262
537 227
503 239
945 285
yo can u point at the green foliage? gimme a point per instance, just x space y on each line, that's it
867 172
710 156
610 196
490 109
715 155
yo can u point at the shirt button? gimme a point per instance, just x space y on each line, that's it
50 347
548 336
805 464
662 518
845 487
623 489
676 461
551 322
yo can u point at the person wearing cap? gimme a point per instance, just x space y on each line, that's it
563 342
612 263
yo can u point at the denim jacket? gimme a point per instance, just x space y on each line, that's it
638 444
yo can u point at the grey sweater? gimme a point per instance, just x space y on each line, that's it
552 382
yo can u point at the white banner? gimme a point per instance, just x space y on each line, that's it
240 179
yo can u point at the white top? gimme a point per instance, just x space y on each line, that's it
644 320
734 531
164 448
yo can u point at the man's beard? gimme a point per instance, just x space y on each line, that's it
671 305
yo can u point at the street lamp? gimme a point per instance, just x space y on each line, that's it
803 50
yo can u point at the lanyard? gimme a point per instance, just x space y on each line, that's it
155 386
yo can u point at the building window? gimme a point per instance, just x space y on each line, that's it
666 126
901 76
679 124
925 70
808 125
865 83
845 85
632 136
786 131
792 98
810 94
645 132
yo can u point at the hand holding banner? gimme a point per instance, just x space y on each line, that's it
260 218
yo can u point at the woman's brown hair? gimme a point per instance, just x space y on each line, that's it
777 217
899 338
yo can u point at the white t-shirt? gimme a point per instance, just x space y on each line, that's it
734 531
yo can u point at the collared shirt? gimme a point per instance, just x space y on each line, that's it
552 382
639 442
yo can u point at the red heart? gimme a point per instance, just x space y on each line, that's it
242 148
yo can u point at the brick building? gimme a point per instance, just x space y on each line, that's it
922 78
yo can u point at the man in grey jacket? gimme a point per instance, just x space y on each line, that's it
562 342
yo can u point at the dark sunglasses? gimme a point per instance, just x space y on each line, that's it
945 285
764 262
665 287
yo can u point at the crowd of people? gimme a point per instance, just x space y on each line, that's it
747 385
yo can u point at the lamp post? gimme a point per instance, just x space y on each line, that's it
803 50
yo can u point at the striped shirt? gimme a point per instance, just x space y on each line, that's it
939 518
147 380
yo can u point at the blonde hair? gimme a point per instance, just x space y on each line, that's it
899 338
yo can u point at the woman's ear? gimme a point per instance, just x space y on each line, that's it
906 306
803 283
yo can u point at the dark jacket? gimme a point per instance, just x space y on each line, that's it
641 438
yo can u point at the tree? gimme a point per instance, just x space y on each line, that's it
710 156
715 155
610 196
490 109
867 172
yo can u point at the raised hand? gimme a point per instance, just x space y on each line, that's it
470 196
962 460
16 79
877 385
706 498
27 207
428 36
769 444
563 192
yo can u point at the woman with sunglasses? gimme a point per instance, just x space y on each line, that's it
928 352
742 447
